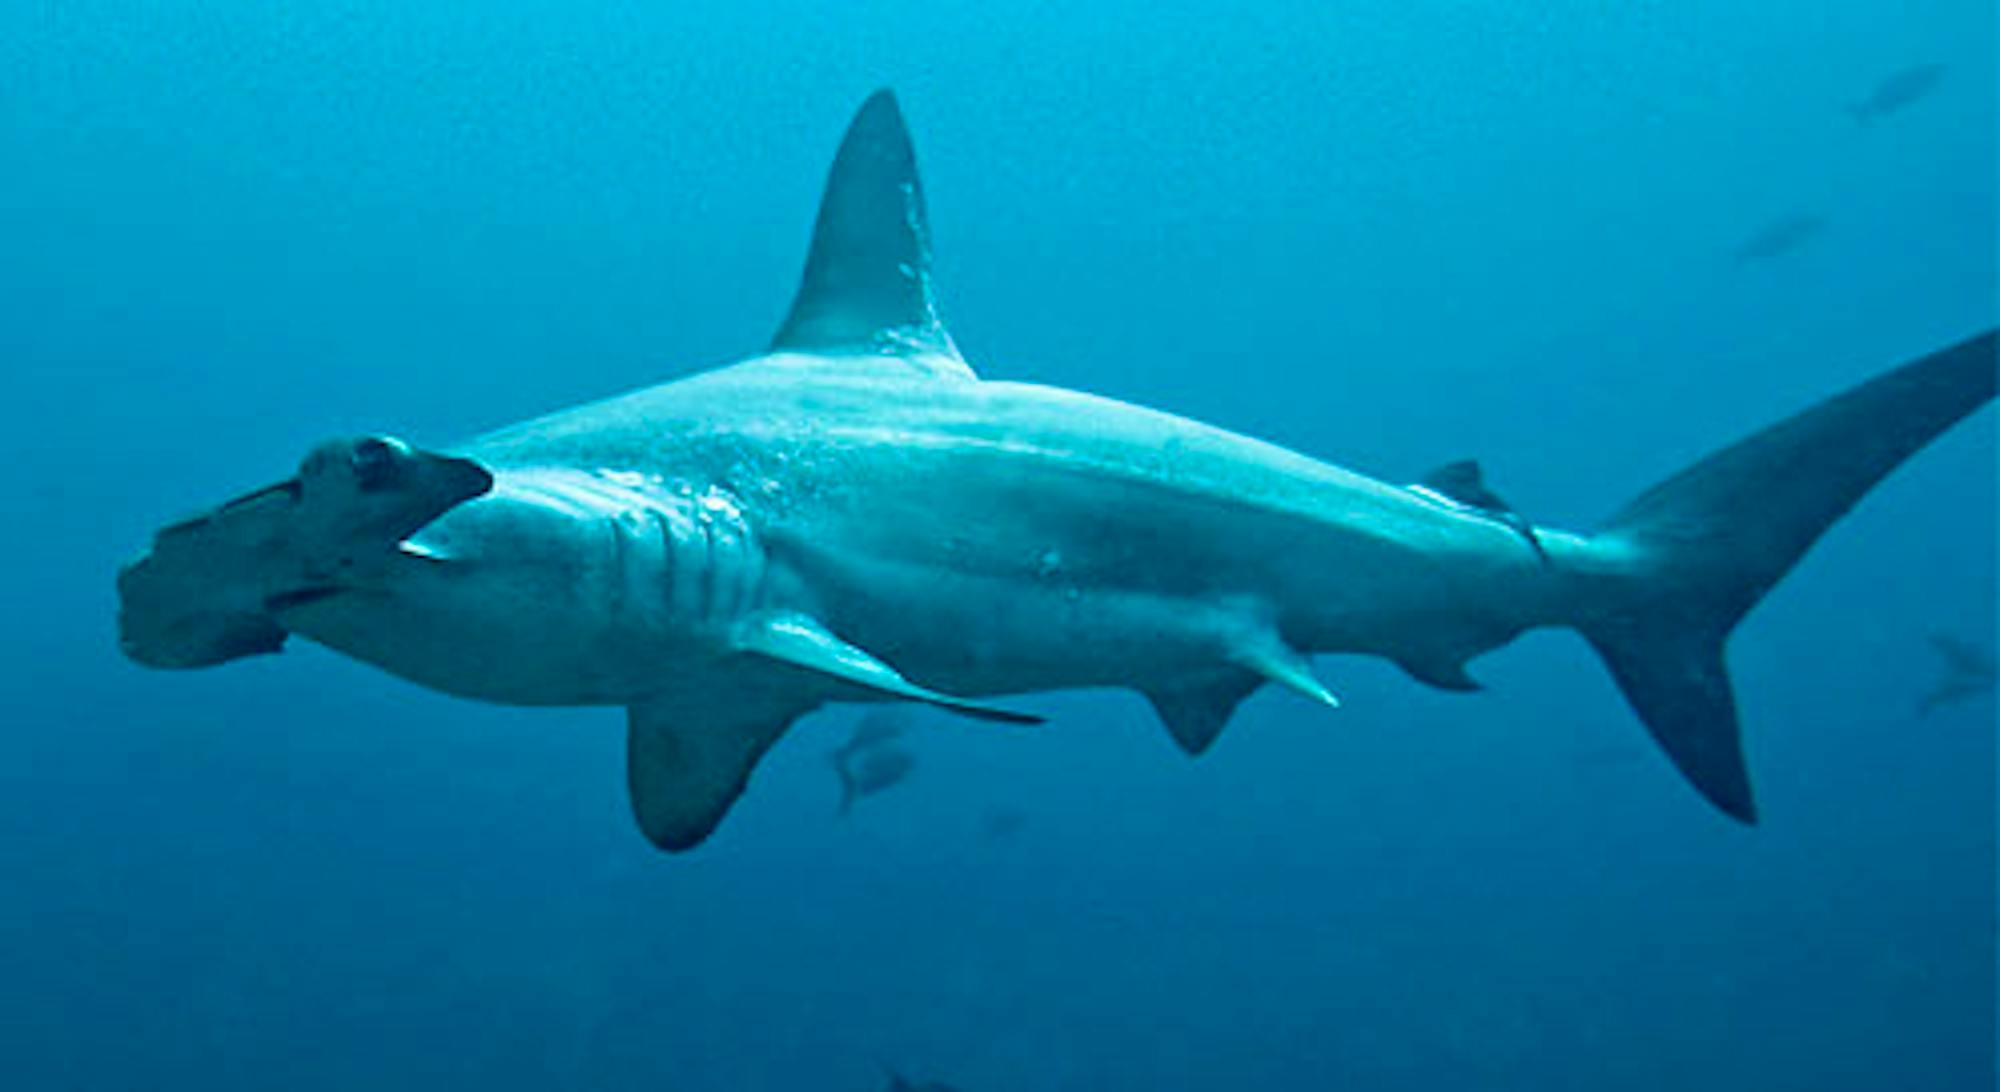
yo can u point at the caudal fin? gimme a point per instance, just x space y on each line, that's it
1704 546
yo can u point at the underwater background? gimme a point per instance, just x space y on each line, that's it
1390 233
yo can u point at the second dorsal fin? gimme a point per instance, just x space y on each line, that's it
867 285
1463 484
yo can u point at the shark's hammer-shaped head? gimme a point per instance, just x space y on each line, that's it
211 588
528 584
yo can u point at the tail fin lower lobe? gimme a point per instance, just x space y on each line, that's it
1709 542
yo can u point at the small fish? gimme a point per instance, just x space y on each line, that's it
1968 673
1780 237
1002 822
900 1083
870 761
1897 91
879 727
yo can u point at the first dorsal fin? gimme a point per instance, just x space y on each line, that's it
867 285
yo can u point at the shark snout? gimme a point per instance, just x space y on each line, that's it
215 585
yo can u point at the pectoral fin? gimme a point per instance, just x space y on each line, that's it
793 638
685 765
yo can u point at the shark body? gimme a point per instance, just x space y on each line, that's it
855 515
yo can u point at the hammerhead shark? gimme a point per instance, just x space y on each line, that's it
854 515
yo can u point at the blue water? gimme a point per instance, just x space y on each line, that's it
1387 233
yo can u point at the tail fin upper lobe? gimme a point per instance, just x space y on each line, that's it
1707 544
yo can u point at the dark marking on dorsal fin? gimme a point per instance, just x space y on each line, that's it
867 286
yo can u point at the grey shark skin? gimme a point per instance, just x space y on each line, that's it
854 515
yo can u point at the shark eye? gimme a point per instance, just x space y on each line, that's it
374 462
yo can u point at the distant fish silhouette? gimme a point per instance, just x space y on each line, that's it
1897 91
1968 673
875 729
1002 822
870 761
1780 237
900 1083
